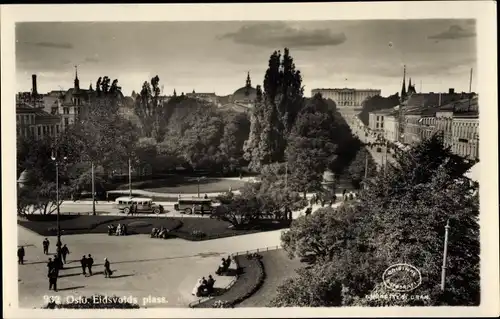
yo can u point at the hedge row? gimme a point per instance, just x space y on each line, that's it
246 284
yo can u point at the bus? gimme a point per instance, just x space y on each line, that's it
144 205
194 205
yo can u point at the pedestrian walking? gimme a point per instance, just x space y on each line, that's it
20 255
107 268
83 262
58 259
90 263
53 274
46 245
64 252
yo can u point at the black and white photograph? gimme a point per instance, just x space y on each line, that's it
250 163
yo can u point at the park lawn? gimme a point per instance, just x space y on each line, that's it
83 224
185 228
186 185
278 267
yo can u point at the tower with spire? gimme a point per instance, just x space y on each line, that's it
403 88
411 88
77 81
248 84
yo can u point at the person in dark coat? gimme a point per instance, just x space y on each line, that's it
206 196
50 266
90 263
64 252
107 268
210 284
57 262
46 245
20 255
53 274
83 262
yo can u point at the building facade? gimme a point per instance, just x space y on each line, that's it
376 120
346 98
36 123
207 97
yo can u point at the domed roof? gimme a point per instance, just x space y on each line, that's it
245 93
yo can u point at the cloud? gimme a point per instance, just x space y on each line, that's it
91 60
273 34
453 33
55 45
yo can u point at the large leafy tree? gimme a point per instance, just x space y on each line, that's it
151 110
236 131
310 288
38 192
362 165
376 103
275 114
311 145
401 218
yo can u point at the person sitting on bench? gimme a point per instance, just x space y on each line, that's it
210 284
228 262
222 267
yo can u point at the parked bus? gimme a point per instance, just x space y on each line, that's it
194 205
144 205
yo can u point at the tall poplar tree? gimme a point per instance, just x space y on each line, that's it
274 117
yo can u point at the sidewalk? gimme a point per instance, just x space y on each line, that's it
166 203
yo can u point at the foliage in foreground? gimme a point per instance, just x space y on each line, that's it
400 218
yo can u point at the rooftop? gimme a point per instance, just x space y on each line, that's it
346 89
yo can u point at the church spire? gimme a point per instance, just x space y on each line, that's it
249 81
77 81
403 88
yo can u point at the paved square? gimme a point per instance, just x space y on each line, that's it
145 267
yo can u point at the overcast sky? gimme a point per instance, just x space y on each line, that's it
215 56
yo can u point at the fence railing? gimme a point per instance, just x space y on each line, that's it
246 252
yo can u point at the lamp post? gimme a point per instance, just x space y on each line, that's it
199 179
445 253
58 244
93 189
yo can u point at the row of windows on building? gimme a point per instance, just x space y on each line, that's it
38 130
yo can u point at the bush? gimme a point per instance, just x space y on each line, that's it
222 304
198 234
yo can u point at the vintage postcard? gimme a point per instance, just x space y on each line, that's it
250 160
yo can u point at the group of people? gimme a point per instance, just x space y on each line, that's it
87 263
224 265
315 199
159 232
204 287
120 230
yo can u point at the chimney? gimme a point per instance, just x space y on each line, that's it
451 91
33 83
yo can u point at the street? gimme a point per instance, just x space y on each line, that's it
359 129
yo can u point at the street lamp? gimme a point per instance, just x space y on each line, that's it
199 179
59 244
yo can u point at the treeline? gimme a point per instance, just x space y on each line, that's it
399 217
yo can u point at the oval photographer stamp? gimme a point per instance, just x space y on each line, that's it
402 278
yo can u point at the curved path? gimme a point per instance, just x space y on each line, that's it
146 268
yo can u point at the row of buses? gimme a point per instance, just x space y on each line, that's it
146 205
